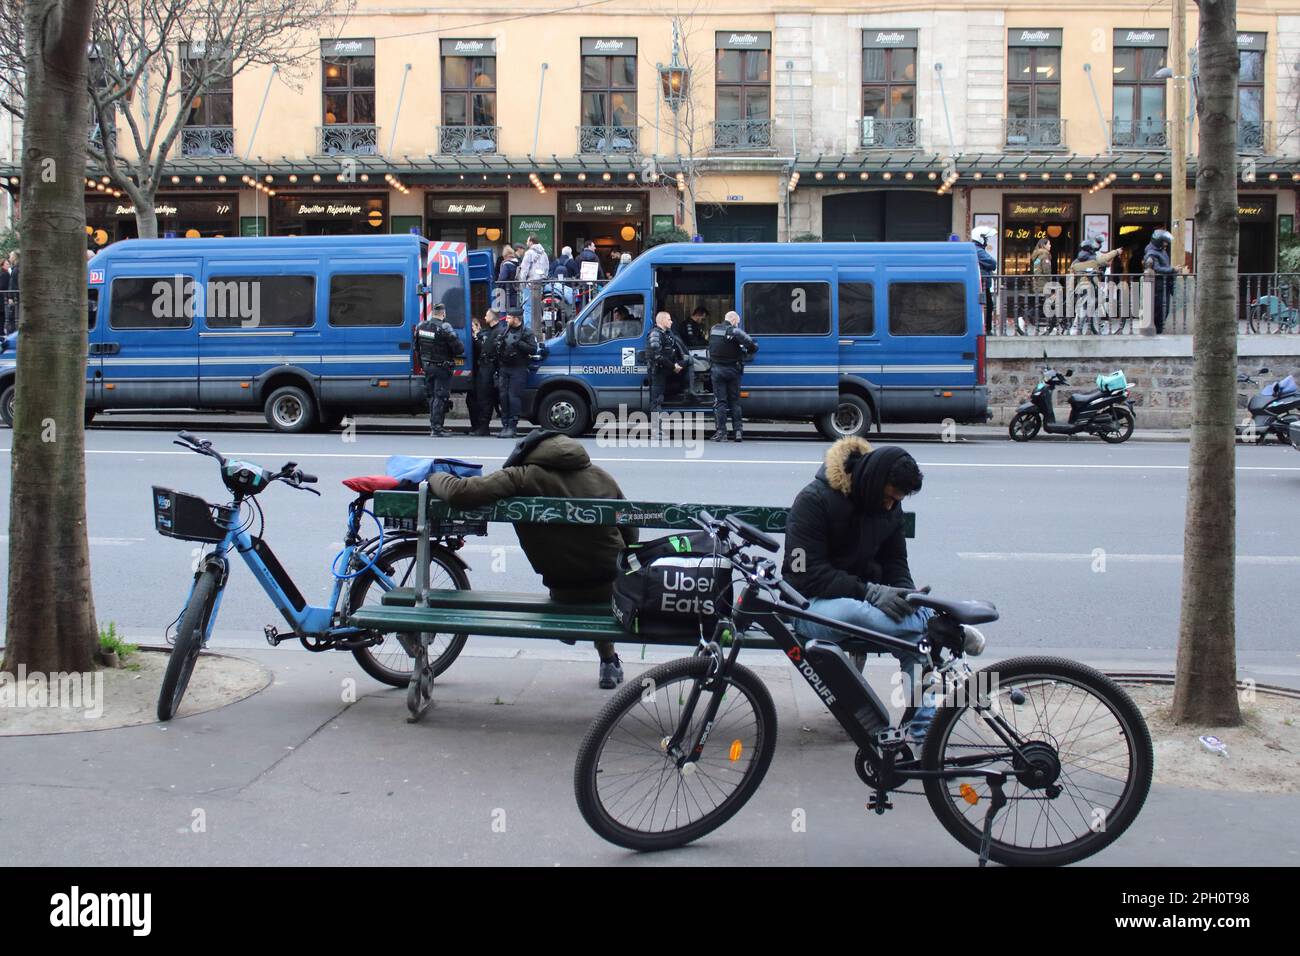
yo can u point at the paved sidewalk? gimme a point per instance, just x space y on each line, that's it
294 775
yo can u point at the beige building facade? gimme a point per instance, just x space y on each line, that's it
894 122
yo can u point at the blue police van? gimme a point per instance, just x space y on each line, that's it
306 329
849 335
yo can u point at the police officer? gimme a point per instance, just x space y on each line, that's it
515 346
438 347
484 388
665 356
729 348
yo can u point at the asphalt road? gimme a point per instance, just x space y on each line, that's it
1078 543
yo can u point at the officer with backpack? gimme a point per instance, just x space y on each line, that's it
438 346
515 347
729 348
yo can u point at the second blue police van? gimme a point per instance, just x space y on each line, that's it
849 335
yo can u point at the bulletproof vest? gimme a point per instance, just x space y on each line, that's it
724 348
514 348
433 338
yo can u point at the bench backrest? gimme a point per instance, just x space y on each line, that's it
587 511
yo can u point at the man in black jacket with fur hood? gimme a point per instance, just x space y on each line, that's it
846 551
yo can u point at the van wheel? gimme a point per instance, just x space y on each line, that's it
565 412
7 405
852 416
290 409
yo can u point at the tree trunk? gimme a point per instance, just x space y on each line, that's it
1205 688
50 621
146 219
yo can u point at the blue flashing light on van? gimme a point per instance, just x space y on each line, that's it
307 329
849 334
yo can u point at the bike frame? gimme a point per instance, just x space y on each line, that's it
307 620
878 750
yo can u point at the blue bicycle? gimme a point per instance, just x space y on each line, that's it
364 570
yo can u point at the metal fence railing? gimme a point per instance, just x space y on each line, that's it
9 311
547 304
1268 303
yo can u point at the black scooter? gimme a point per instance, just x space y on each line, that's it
1273 410
1104 412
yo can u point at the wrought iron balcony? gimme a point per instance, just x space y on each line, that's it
881 133
740 135
468 139
1254 137
1037 132
208 141
1148 134
339 140
609 139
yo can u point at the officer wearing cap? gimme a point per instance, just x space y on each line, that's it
438 346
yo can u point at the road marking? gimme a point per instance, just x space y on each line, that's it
723 461
1110 556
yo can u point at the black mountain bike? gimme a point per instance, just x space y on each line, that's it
1032 761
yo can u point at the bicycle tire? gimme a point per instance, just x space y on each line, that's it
586 771
1137 784
367 657
189 641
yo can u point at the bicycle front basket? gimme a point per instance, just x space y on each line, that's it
178 515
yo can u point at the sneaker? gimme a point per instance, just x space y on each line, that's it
438 433
736 437
611 673
719 436
507 433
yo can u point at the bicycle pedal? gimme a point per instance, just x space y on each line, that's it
891 737
272 635
879 804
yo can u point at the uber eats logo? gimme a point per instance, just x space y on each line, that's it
686 590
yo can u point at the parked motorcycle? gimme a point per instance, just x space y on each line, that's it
1273 410
1105 412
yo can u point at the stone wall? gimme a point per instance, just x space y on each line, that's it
1160 368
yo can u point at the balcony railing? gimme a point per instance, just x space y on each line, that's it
881 133
339 140
208 141
1254 137
1038 132
468 139
608 139
1148 134
744 134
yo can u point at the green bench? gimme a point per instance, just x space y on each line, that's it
427 612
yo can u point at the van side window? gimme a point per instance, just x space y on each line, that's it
92 308
787 308
620 317
857 308
927 308
151 302
261 302
366 300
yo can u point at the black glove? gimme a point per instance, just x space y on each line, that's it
890 600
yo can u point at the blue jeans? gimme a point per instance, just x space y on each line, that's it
861 614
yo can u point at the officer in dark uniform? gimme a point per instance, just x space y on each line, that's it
515 346
484 388
665 356
438 346
729 348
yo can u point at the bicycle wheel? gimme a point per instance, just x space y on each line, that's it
631 792
189 641
1081 731
387 661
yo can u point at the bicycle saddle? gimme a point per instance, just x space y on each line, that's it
963 612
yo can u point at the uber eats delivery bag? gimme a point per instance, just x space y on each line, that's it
678 580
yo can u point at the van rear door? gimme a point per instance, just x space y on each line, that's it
149 352
788 312
932 328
